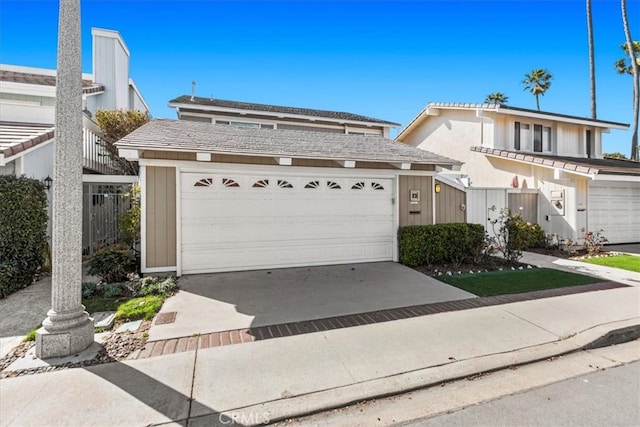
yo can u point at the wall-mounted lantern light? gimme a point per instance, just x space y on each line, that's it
48 181
437 188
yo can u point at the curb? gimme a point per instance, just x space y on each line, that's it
326 400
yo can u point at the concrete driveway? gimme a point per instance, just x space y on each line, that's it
226 301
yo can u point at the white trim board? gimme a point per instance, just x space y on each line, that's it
111 179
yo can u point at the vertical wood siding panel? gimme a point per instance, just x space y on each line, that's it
171 217
161 217
426 198
448 207
422 183
403 197
151 217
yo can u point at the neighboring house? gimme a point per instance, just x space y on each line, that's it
558 156
27 115
27 108
264 116
226 198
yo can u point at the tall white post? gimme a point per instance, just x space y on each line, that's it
68 329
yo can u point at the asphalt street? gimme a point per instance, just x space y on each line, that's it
610 397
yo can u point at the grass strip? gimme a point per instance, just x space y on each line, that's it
624 262
516 281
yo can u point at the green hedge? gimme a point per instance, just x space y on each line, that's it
440 243
23 231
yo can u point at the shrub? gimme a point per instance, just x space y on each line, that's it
440 243
154 286
112 264
513 234
524 235
593 242
114 290
23 231
89 289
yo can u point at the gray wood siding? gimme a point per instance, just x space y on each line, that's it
526 204
422 212
448 204
160 207
168 155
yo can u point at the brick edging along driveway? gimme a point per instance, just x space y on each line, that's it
239 336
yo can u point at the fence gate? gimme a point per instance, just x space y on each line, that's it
103 202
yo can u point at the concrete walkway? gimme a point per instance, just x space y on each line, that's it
279 378
25 310
22 311
613 274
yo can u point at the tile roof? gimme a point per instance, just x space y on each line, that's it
17 137
336 115
505 109
44 80
571 164
182 135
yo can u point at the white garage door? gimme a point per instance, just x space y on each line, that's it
615 208
233 223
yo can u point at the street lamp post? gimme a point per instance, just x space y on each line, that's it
68 329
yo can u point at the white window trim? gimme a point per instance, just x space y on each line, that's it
530 142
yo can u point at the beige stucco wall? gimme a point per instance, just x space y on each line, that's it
452 134
160 208
575 214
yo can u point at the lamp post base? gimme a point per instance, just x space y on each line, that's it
66 341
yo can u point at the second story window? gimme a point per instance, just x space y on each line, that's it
538 141
245 124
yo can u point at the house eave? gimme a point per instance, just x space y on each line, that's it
130 152
277 115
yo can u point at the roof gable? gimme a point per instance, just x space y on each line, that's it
433 107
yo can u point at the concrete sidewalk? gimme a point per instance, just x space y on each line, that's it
285 377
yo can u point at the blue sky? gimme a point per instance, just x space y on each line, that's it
385 59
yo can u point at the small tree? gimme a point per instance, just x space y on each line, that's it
115 125
129 221
537 82
496 98
629 65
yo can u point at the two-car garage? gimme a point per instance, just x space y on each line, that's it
233 221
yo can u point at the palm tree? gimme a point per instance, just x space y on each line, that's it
631 51
496 98
592 65
537 82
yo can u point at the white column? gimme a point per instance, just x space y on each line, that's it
67 329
